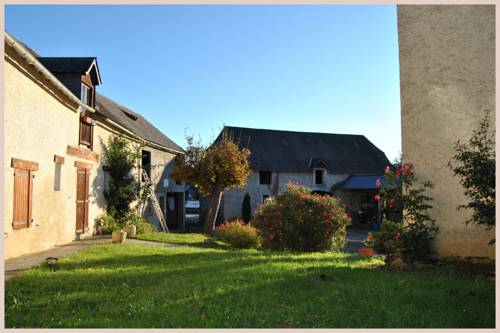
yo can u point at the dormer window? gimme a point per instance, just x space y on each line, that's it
319 176
87 95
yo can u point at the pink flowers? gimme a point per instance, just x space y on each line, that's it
406 169
377 183
387 169
398 235
376 197
391 202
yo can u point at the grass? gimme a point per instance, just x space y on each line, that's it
133 285
193 239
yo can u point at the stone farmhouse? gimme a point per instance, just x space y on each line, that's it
55 126
343 165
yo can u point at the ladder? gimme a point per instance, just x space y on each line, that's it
154 201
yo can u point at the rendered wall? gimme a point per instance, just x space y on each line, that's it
447 77
38 125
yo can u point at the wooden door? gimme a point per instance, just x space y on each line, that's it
82 200
172 203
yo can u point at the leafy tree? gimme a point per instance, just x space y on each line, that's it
474 164
121 157
213 169
246 209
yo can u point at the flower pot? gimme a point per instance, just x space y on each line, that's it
119 236
365 252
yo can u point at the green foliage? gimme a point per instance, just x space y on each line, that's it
387 241
474 164
237 234
211 170
141 286
298 220
121 157
416 228
246 209
106 224
142 225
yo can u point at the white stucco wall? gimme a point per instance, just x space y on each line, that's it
447 75
38 125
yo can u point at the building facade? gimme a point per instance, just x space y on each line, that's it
346 166
447 77
54 171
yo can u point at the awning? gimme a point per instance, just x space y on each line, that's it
359 183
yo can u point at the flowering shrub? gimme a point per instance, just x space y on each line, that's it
237 234
413 225
142 225
387 241
298 220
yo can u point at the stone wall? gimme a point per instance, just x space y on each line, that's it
233 199
447 76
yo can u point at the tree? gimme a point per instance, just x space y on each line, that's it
213 169
246 209
121 157
474 164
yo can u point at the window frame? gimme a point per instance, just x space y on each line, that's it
322 170
262 177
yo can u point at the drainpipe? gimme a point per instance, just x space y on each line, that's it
30 59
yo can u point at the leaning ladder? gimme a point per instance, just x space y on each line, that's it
154 201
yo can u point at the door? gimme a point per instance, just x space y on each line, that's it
82 200
172 203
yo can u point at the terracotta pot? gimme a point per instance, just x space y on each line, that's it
118 236
365 252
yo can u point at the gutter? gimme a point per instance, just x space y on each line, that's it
31 60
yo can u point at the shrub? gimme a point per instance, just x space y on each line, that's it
237 234
246 209
387 241
298 220
142 225
474 164
415 228
106 224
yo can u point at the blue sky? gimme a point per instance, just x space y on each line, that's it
192 69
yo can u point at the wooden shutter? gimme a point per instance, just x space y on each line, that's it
82 200
23 198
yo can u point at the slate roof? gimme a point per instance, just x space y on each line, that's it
288 151
359 183
132 121
68 70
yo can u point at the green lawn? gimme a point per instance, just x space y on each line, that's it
133 285
196 239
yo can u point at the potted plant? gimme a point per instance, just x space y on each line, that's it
368 250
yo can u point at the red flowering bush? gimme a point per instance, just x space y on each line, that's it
387 241
298 220
404 207
238 234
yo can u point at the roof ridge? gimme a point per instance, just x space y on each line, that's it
289 131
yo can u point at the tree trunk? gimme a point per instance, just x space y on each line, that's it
213 210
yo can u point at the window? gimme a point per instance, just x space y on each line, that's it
146 163
57 177
265 177
86 131
318 176
23 193
59 161
265 197
87 93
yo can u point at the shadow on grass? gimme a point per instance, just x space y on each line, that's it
136 286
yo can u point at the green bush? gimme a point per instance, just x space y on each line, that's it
246 208
106 224
416 242
142 225
237 234
298 220
387 241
